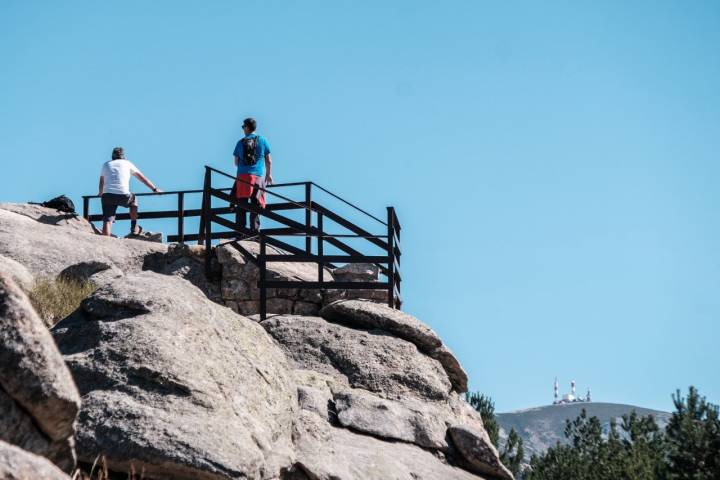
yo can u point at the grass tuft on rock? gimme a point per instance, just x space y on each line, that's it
55 299
100 471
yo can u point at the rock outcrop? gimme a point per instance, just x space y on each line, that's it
18 464
188 262
328 453
409 420
46 242
374 361
17 272
357 272
477 451
175 383
374 316
38 399
375 383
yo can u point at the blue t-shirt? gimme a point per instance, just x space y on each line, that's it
262 149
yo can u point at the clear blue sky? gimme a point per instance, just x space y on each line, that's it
554 164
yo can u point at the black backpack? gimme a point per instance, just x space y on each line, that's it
250 150
61 203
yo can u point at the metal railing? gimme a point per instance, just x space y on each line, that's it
311 229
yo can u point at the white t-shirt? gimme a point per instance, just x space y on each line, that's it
117 175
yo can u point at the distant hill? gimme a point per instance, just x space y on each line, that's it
543 427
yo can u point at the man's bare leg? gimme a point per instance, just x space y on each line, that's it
107 229
133 219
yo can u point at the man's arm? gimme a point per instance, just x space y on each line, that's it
147 182
237 152
101 185
268 169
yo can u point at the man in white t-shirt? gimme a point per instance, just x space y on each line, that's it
114 190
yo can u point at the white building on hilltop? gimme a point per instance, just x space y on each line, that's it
568 397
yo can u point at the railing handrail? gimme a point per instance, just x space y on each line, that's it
348 203
144 194
309 206
333 235
274 185
303 183
175 192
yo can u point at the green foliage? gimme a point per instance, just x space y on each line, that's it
486 407
55 299
513 452
693 435
689 448
634 451
643 448
511 455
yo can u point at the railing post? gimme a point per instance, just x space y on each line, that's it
201 230
236 206
396 257
181 217
308 216
261 279
321 265
86 208
391 256
206 215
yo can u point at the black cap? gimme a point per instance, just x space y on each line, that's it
250 123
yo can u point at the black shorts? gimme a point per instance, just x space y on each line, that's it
111 201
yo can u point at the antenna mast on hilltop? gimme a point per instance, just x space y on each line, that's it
571 397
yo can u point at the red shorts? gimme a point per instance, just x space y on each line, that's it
250 186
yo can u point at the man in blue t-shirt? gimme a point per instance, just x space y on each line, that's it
254 167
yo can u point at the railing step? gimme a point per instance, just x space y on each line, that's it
324 285
194 237
305 258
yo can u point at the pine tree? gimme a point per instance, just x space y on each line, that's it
694 438
632 451
645 448
511 455
486 408
513 452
